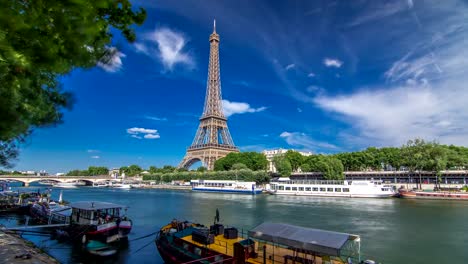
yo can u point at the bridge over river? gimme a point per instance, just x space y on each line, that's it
27 179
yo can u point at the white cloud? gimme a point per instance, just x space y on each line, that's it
166 45
112 61
379 11
155 118
139 133
299 110
93 151
151 136
332 62
314 89
95 157
231 108
301 140
425 94
311 75
290 66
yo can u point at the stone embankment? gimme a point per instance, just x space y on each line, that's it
14 249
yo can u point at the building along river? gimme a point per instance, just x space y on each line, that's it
392 230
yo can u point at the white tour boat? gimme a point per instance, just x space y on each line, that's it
225 186
346 188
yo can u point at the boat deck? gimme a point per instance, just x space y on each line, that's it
275 254
221 244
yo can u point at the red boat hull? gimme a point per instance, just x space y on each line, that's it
433 195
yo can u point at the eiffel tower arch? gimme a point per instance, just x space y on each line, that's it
212 140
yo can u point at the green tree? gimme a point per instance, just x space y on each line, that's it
153 170
295 159
202 169
282 165
92 170
239 166
40 41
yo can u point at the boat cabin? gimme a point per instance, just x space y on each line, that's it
283 243
95 213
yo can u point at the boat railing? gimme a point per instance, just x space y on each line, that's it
312 182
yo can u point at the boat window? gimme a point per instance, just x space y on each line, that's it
301 189
197 251
294 188
308 189
337 189
345 189
322 189
218 259
288 188
186 246
281 187
315 189
329 189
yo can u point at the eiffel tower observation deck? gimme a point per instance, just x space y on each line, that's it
212 140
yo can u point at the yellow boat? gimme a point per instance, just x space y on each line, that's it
185 242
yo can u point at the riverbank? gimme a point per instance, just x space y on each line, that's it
14 249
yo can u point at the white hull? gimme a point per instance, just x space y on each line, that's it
348 189
336 195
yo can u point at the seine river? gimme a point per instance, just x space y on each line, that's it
391 230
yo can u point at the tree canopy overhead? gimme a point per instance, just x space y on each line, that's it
43 40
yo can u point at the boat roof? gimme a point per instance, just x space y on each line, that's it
92 205
316 240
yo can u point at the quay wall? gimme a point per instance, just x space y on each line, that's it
14 249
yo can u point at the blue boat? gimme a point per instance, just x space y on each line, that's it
221 186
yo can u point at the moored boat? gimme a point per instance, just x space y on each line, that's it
240 187
185 242
439 195
99 221
346 188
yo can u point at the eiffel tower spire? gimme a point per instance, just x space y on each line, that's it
212 139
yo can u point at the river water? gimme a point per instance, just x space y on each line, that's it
392 230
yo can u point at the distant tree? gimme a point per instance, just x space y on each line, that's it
282 165
253 160
202 169
295 158
239 166
153 170
92 170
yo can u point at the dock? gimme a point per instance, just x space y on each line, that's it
14 249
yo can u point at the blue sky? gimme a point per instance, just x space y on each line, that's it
320 76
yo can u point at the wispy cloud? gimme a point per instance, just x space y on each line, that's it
378 11
155 118
139 133
332 62
231 108
290 66
311 75
167 45
112 60
241 83
299 110
305 142
92 151
257 148
95 157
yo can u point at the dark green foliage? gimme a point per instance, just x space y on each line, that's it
131 170
282 165
253 160
330 166
41 41
201 169
242 175
295 159
91 171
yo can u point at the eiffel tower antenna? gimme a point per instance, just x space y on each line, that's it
212 140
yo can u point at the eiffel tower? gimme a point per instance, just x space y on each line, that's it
212 140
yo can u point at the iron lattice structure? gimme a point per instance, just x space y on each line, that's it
212 140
